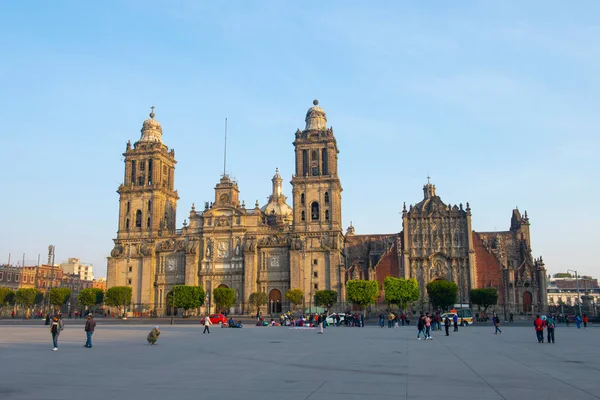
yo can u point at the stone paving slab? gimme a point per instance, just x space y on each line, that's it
282 363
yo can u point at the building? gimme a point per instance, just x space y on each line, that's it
277 247
75 266
99 283
48 277
562 292
10 277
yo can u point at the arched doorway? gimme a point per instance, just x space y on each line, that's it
527 299
224 285
274 301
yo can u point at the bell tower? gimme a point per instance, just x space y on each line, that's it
147 198
317 261
316 187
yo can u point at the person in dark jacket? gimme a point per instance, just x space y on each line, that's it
455 320
447 325
421 327
90 325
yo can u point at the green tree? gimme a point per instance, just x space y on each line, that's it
399 291
39 298
26 297
58 297
118 296
90 297
295 296
224 298
484 297
257 299
7 297
442 293
362 292
326 298
563 275
186 297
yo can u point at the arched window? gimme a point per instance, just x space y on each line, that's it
326 215
314 211
303 216
314 163
302 199
128 207
133 171
326 197
138 219
149 205
127 224
324 162
304 162
148 223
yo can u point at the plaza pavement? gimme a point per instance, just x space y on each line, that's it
281 363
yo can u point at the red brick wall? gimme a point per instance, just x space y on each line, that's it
489 270
388 265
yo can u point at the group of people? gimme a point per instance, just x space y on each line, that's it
57 326
393 319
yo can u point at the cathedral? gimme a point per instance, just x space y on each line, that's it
276 247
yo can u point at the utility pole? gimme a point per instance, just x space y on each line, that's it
578 294
51 250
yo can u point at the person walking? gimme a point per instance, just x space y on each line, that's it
511 318
320 321
421 327
55 328
207 324
496 321
390 318
538 324
90 325
585 320
428 327
550 325
578 321
455 320
447 325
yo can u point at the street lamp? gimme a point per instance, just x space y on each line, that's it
578 295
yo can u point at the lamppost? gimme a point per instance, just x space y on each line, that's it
51 250
578 295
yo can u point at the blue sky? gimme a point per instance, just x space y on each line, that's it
496 100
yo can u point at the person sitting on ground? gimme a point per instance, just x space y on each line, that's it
231 322
153 335
239 324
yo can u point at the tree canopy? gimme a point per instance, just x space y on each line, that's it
7 297
26 296
118 296
400 291
59 296
362 292
484 297
295 296
224 298
186 297
442 293
326 298
258 299
90 297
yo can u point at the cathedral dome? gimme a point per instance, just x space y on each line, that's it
316 119
277 205
151 130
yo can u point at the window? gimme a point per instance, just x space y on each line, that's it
129 281
302 199
8 276
17 277
140 180
304 162
138 219
324 161
149 205
315 262
314 211
142 165
326 215
127 224
130 269
148 223
315 274
326 197
128 207
316 286
133 171
303 216
314 163
149 172
1 275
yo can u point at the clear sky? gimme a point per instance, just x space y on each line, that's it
496 100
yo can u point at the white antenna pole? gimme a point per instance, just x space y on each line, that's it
225 151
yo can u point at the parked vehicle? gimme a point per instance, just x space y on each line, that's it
216 319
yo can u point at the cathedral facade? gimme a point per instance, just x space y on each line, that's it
278 247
